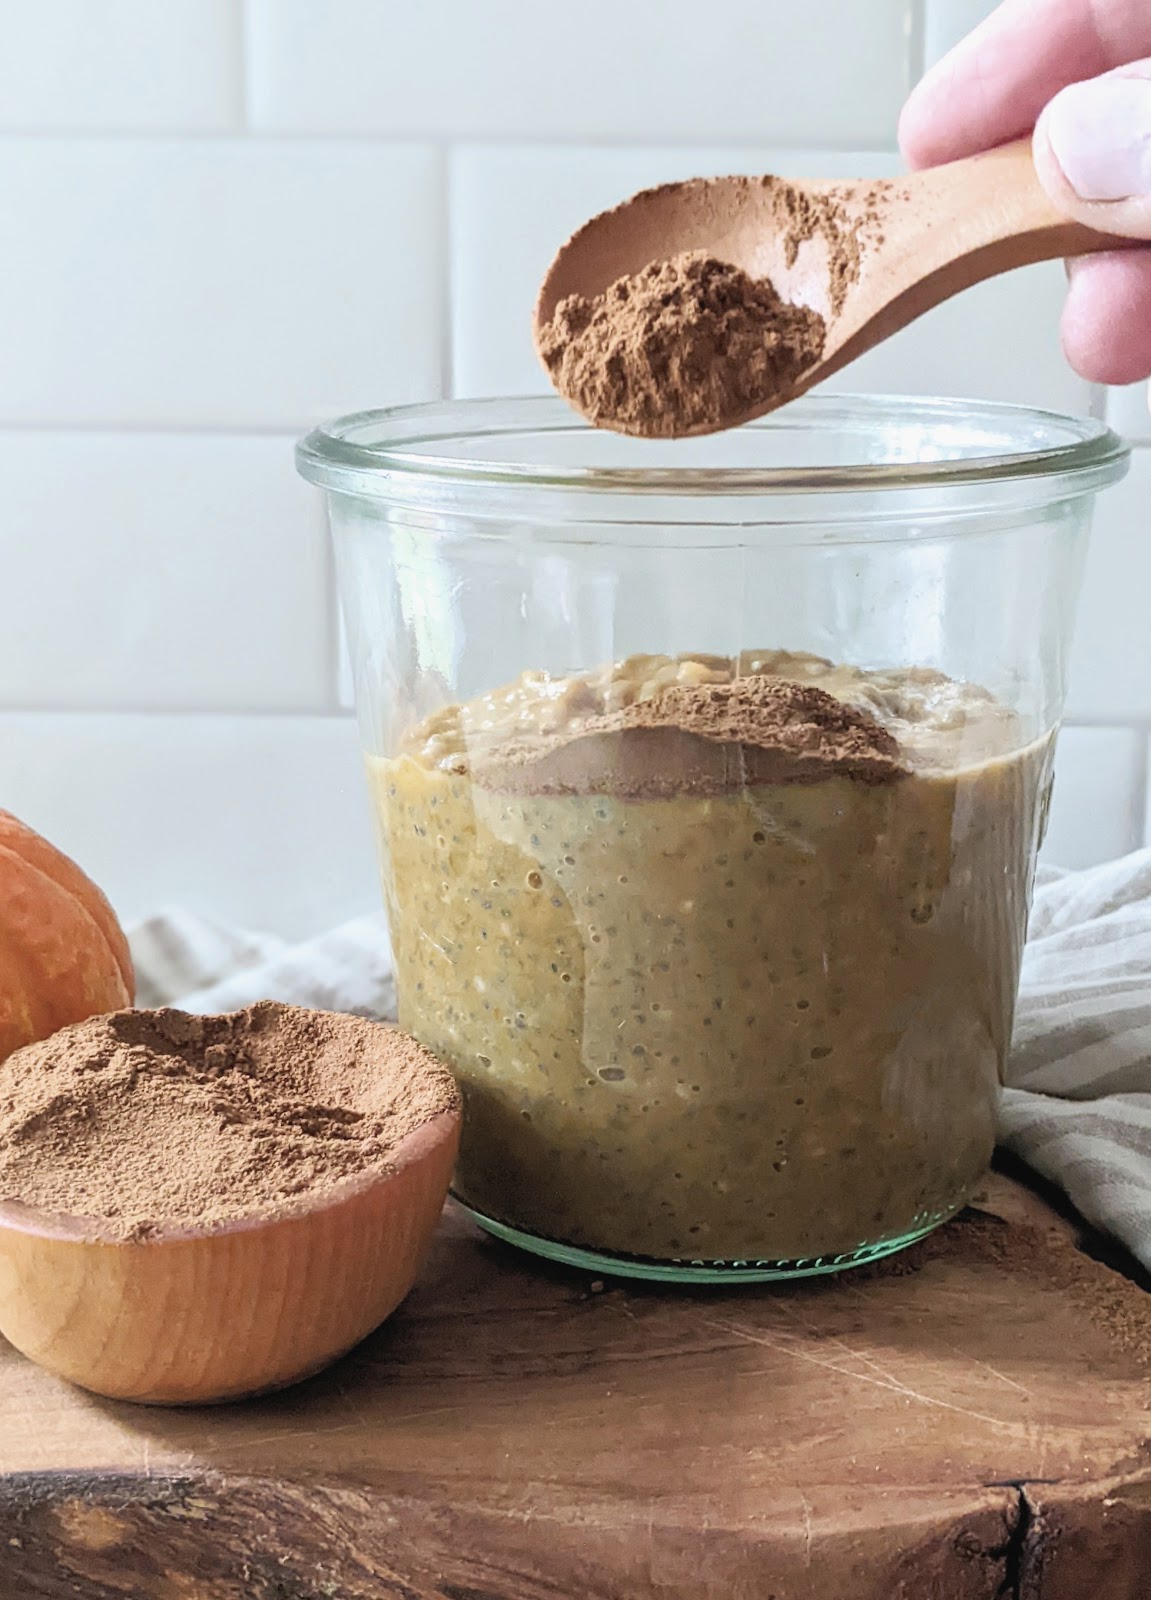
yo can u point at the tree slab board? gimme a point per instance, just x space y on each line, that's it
971 1421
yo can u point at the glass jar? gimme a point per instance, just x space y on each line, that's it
710 777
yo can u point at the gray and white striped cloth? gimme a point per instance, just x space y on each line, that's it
1077 1106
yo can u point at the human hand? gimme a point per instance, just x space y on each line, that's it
1092 146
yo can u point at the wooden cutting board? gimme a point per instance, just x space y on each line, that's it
972 1420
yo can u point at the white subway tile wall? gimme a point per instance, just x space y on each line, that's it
1129 411
1098 801
221 221
253 821
121 66
823 72
1111 660
185 572
946 22
216 282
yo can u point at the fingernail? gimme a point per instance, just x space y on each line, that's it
1100 133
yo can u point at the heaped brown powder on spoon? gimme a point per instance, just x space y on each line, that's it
693 343
682 345
148 1119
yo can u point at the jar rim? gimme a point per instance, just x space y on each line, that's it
370 452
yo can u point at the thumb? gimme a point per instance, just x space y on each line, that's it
1092 150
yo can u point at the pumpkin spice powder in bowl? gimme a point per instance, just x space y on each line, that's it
198 1208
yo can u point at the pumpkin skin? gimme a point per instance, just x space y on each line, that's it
63 954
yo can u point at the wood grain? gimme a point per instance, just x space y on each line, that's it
973 1423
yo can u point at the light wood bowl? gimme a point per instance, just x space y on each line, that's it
192 1318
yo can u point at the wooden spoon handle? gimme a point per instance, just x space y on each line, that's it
957 225
995 203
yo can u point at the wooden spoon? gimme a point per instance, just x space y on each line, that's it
920 239
190 1317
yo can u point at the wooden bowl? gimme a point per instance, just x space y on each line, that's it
191 1317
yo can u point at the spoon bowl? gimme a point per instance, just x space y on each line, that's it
869 256
734 219
193 1317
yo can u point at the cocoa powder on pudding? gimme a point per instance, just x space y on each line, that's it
699 739
147 1120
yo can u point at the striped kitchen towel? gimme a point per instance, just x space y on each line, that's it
182 960
1077 1106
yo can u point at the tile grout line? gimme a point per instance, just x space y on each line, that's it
1139 724
447 271
1140 833
331 613
183 713
148 428
245 34
917 41
431 137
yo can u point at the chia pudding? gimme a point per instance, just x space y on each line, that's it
723 952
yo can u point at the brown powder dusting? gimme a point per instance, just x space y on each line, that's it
147 1119
848 218
1116 1306
703 739
682 346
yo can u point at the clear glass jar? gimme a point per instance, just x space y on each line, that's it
728 999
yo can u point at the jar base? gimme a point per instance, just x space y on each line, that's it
702 1272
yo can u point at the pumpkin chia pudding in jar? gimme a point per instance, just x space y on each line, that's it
709 781
724 959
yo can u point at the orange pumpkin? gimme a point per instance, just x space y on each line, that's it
63 955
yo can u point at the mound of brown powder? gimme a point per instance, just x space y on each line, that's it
147 1119
702 739
687 344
